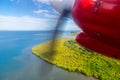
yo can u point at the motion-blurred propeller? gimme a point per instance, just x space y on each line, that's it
64 7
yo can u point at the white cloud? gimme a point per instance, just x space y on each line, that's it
45 13
58 5
42 1
50 16
46 1
40 11
23 23
31 23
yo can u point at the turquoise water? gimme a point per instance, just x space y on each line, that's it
15 46
18 63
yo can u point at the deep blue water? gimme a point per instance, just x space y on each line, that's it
18 63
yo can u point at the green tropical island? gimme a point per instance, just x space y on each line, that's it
69 55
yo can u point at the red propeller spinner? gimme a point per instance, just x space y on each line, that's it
100 22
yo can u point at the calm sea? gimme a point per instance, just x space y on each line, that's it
18 63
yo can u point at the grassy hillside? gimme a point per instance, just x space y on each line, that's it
69 55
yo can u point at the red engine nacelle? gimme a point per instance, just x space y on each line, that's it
100 22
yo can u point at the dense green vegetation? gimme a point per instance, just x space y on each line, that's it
69 55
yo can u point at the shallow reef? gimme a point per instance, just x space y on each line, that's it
69 55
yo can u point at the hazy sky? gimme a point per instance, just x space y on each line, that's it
29 15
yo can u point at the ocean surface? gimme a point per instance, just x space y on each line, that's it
18 63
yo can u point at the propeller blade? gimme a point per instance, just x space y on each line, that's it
60 5
60 22
64 8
